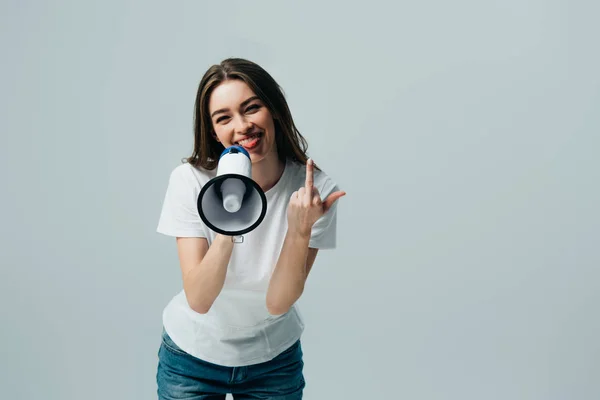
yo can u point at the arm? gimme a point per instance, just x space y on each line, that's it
296 258
290 274
203 269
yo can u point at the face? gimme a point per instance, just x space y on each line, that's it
239 117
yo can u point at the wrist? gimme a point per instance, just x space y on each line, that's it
224 240
298 235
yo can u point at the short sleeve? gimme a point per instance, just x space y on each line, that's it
324 231
179 216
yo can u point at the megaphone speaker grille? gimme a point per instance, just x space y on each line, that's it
215 215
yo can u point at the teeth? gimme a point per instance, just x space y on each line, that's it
248 139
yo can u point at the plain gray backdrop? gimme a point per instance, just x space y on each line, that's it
465 133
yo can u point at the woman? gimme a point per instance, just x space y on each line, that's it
235 327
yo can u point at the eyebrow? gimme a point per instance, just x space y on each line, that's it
222 110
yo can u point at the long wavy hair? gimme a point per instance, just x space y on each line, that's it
291 145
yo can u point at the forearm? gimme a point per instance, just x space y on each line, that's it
289 276
203 283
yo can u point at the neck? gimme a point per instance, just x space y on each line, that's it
267 171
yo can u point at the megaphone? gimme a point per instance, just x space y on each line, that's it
232 203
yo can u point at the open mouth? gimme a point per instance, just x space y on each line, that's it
250 141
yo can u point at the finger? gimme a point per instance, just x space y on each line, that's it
316 200
332 198
309 174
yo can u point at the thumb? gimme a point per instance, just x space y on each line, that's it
332 198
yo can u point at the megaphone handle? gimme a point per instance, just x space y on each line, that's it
237 239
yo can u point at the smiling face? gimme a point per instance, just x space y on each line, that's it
239 117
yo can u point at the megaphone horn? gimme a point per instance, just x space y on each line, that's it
232 203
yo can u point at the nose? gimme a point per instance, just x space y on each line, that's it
242 125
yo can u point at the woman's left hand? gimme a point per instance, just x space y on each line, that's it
306 206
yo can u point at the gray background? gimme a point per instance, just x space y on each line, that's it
465 133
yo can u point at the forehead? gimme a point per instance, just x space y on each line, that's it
229 94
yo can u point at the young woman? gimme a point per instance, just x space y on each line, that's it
235 326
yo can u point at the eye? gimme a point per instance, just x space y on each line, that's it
253 107
220 119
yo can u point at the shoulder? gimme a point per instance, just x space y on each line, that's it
185 174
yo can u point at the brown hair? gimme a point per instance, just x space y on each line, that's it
290 143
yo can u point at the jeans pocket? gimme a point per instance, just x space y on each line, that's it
170 345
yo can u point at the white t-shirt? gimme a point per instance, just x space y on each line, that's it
238 330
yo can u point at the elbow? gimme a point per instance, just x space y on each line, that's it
277 309
276 306
199 307
281 305
198 302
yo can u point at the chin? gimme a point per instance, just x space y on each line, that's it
256 158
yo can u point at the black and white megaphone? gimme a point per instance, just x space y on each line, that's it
232 203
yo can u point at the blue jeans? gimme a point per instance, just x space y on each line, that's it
182 376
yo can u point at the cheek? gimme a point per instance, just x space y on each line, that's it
220 136
269 124
273 130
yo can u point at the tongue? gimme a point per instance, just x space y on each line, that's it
251 143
